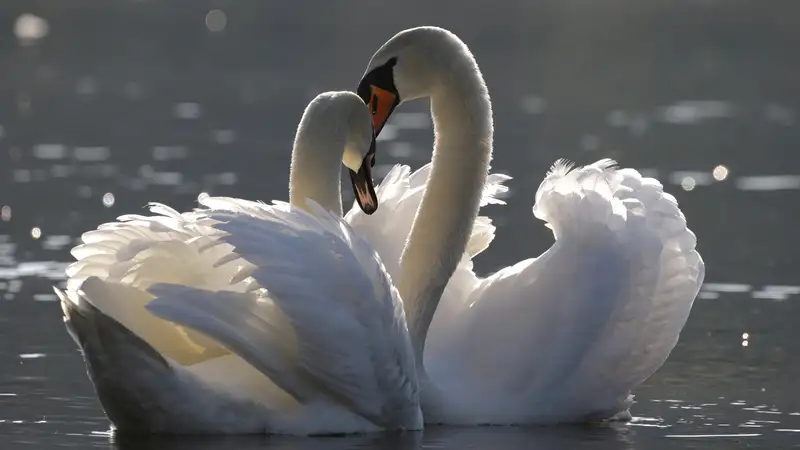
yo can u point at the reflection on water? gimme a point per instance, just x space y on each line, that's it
103 109
713 388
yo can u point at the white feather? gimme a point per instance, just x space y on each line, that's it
327 350
347 320
568 335
564 337
399 196
243 317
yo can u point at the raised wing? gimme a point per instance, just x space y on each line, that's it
571 333
127 256
400 194
325 293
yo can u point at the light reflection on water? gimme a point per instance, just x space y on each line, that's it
699 424
707 390
90 133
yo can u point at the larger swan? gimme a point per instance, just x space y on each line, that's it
563 337
180 335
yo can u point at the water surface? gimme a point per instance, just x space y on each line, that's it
107 106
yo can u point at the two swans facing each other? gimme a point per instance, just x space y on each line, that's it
282 321
242 317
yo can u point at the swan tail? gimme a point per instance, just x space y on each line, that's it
609 298
326 322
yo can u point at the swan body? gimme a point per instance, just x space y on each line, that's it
564 337
242 317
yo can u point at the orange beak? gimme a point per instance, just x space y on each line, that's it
381 104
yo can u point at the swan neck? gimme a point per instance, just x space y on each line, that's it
463 129
316 169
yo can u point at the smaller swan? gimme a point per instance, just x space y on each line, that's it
242 317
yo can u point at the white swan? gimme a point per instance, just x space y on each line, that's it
560 338
325 350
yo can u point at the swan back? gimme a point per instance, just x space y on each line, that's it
336 126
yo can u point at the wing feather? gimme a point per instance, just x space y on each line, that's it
570 334
344 314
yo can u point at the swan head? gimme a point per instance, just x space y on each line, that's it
359 151
343 113
414 63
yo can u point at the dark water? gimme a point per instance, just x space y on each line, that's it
115 103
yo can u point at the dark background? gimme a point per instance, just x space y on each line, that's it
140 99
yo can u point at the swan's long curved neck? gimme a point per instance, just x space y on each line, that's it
316 167
462 118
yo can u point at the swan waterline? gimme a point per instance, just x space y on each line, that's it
243 317
565 337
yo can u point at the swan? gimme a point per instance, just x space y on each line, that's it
564 337
242 317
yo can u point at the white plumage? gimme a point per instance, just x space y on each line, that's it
399 196
242 317
567 336
245 317
564 337
324 351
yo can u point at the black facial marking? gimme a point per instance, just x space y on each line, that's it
382 77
